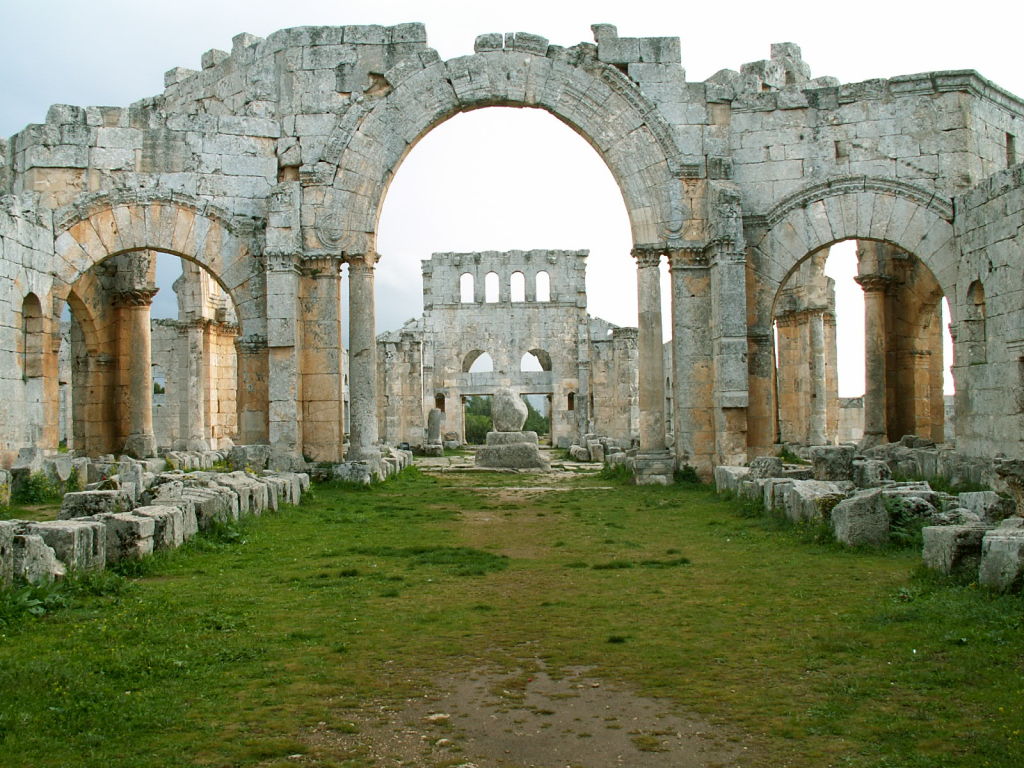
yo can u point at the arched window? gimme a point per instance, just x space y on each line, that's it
32 342
974 324
491 290
517 286
439 401
477 361
535 360
466 287
543 283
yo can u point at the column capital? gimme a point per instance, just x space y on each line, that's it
367 260
135 297
647 255
282 262
695 257
874 282
323 266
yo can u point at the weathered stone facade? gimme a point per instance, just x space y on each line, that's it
268 167
510 306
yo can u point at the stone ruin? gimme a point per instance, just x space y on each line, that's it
508 446
266 168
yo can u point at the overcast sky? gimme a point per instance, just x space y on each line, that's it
496 179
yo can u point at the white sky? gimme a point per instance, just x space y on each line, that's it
496 179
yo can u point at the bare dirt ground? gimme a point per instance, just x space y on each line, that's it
526 718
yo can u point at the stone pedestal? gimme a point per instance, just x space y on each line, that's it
654 468
511 450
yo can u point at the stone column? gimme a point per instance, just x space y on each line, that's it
816 433
284 425
134 311
362 381
252 394
323 409
875 427
193 410
692 371
654 464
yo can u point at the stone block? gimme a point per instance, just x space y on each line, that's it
861 520
168 525
356 472
988 505
34 561
811 499
432 449
511 456
511 438
870 473
579 453
773 492
508 411
129 536
766 466
80 544
832 462
88 503
727 479
1002 557
596 450
8 530
252 494
953 548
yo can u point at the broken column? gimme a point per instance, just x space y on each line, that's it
507 445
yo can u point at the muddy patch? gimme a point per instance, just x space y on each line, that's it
492 720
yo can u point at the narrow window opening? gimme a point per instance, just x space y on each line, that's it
1011 150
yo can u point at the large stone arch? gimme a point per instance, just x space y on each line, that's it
855 208
107 224
594 99
909 217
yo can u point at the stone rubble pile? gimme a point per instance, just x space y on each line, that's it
132 508
597 448
391 462
980 532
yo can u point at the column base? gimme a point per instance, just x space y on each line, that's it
870 440
370 454
656 468
140 446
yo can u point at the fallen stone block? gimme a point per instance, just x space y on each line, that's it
988 505
34 561
870 473
811 499
579 453
212 505
861 520
81 545
8 530
253 458
252 494
129 536
773 490
953 548
89 503
727 479
596 451
1002 556
832 462
168 525
766 466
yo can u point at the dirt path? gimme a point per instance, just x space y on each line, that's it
531 716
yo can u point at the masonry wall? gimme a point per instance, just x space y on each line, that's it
989 338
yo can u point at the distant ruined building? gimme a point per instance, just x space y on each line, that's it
265 170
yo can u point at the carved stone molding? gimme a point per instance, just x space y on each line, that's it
136 297
648 255
875 283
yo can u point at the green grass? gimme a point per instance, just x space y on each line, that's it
231 651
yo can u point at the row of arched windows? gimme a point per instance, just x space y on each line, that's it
478 361
516 288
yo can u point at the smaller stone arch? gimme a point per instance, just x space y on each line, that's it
467 288
542 286
473 356
517 287
974 324
33 337
492 288
541 357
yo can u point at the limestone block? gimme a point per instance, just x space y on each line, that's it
596 450
766 466
432 449
80 544
129 536
579 453
727 479
452 445
87 503
171 495
434 420
912 490
508 411
356 472
811 499
168 525
277 489
511 438
252 494
861 520
832 462
870 473
1002 556
5 487
512 456
773 492
988 505
34 561
949 548
8 529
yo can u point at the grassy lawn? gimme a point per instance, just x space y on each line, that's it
233 650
